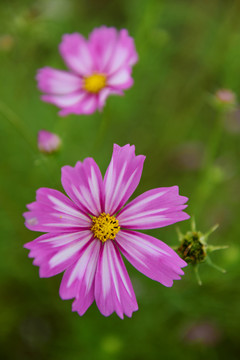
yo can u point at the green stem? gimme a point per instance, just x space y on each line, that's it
14 120
102 130
207 183
214 141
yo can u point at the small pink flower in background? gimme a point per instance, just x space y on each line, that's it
226 97
87 231
48 142
203 332
98 67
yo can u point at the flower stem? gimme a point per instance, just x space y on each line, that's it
207 181
214 141
14 120
102 130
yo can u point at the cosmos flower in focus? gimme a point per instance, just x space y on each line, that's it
98 67
48 142
88 230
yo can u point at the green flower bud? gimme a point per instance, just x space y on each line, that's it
194 248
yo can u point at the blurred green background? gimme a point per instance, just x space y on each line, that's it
187 50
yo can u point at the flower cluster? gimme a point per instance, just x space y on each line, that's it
87 231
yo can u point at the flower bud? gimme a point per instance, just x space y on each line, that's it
226 97
194 248
48 142
224 100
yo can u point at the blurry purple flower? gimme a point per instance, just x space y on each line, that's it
87 232
205 333
48 142
98 67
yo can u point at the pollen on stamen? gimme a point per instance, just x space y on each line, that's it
94 83
105 227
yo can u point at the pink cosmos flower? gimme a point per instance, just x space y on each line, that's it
87 231
98 67
48 142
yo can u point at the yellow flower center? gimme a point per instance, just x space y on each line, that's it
94 83
105 227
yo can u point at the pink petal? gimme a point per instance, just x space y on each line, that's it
150 256
78 280
57 81
54 253
121 79
75 52
75 103
65 101
153 209
48 142
87 105
103 95
122 177
54 212
124 54
102 42
83 184
113 288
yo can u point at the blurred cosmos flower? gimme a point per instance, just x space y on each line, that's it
48 142
203 333
98 67
87 233
224 99
226 96
194 248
